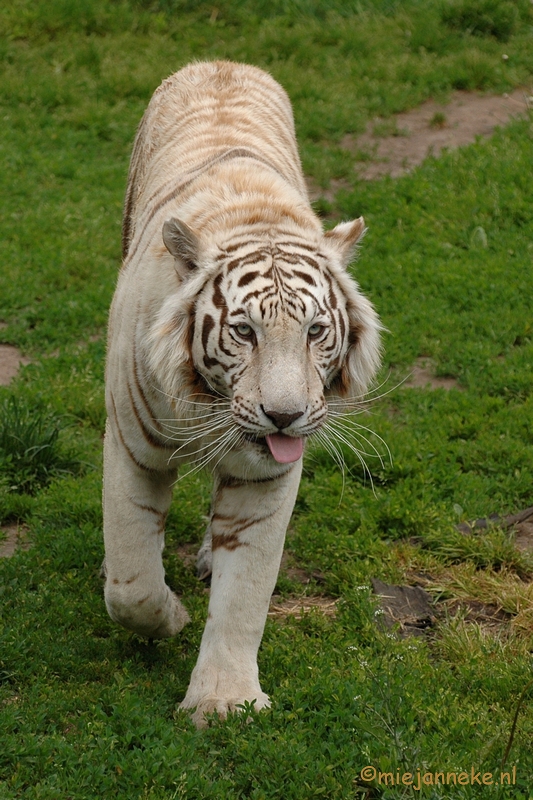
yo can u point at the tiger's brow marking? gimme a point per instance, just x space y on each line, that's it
250 258
247 278
304 277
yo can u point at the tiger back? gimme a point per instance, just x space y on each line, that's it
234 328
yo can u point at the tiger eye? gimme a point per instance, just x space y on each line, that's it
244 330
315 330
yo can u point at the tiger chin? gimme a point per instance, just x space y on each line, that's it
233 328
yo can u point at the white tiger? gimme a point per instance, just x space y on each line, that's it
233 324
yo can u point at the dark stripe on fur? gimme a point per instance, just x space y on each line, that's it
207 326
140 389
146 432
123 441
228 542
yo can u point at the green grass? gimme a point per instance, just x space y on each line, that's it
30 450
88 711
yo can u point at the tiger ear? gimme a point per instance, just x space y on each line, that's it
344 238
182 243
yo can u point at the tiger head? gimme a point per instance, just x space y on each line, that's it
275 325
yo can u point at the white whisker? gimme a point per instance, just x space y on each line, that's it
194 416
367 398
336 455
193 431
354 430
364 443
207 445
209 401
345 431
361 454
353 446
224 444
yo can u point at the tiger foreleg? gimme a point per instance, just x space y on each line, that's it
136 503
248 526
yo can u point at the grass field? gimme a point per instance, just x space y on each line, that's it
89 711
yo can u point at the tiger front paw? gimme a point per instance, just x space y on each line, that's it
155 615
211 703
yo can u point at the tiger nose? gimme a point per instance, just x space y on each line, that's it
280 419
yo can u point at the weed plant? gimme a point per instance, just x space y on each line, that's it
485 17
88 711
30 450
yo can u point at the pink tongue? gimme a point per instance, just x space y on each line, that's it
285 449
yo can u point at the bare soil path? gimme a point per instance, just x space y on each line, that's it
396 145
432 127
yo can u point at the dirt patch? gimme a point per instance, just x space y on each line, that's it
411 611
486 614
431 128
396 145
524 537
15 539
422 376
298 607
10 362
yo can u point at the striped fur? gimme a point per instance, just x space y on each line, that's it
233 327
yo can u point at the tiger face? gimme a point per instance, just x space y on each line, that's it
278 327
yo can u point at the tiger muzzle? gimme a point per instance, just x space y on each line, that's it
282 419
